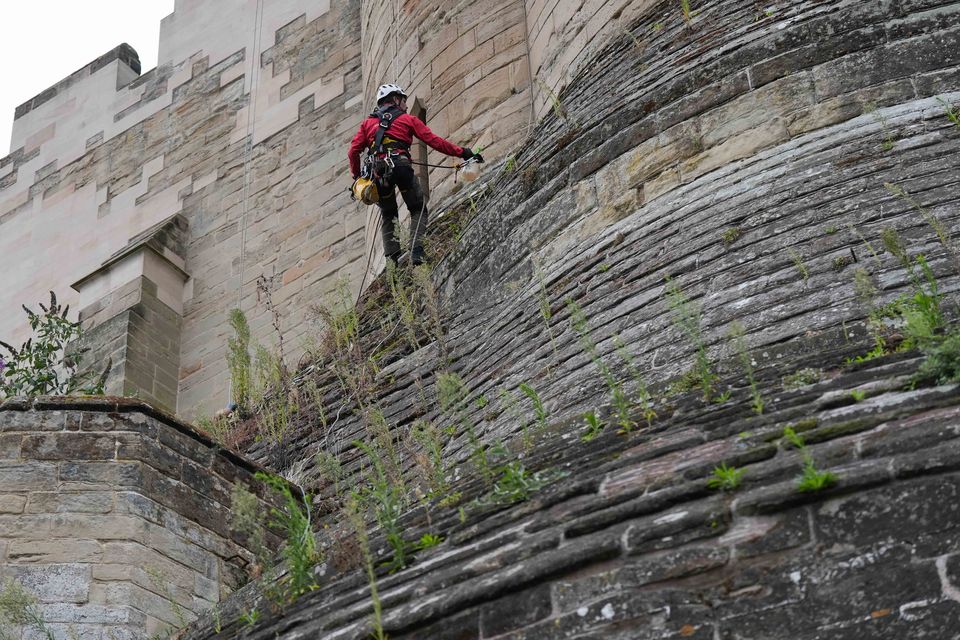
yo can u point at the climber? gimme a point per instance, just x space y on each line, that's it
388 164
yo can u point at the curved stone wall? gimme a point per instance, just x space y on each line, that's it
465 66
754 158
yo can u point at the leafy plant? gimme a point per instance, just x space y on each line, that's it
538 409
943 234
516 484
595 426
275 398
887 144
428 541
386 500
19 607
858 395
746 363
239 361
799 263
950 112
250 618
687 12
300 551
811 478
687 317
49 363
942 364
642 395
725 478
430 457
731 235
355 517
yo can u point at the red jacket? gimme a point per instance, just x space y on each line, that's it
403 128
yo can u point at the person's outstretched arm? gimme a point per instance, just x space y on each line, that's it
442 145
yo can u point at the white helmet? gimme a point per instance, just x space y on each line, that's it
388 89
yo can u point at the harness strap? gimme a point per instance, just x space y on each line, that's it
386 117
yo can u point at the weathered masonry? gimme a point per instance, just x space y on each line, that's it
237 139
116 517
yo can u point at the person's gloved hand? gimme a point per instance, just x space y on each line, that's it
467 153
477 157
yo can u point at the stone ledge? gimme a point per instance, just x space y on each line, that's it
124 53
115 404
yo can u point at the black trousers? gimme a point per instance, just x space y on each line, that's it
402 178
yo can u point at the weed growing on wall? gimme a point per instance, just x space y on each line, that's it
386 500
746 364
19 608
50 362
950 111
516 484
275 401
799 264
621 402
725 478
595 426
811 479
428 457
887 144
801 378
642 396
161 583
403 304
538 409
942 365
687 317
355 516
300 551
939 228
555 104
239 361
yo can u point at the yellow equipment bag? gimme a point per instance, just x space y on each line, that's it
365 190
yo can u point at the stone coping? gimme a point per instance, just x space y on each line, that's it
124 52
116 404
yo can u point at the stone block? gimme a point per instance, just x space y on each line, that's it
666 530
515 611
71 502
69 446
55 583
90 614
95 475
54 551
21 421
10 446
673 565
28 476
908 508
152 453
12 503
762 535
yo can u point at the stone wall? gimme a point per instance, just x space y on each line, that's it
754 158
115 516
241 132
631 543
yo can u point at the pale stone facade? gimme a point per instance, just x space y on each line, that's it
240 133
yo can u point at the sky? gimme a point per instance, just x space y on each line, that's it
44 41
